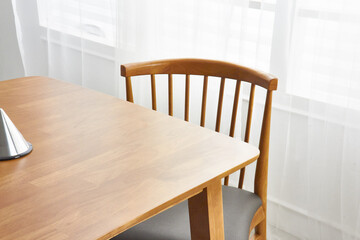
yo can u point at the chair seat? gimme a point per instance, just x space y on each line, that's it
173 224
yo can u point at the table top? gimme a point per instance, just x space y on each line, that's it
100 164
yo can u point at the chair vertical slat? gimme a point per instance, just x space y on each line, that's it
249 115
203 105
129 94
247 131
218 115
221 97
170 84
187 97
226 181
241 178
153 91
235 107
233 118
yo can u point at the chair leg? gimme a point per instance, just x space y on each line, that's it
260 229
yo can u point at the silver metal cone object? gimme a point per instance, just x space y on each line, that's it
12 143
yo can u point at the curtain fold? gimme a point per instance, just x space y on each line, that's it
11 65
312 46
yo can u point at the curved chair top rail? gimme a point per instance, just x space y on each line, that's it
201 67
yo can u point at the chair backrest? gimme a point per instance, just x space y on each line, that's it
224 70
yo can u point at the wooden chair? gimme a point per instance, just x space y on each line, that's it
243 210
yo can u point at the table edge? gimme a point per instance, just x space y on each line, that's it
184 196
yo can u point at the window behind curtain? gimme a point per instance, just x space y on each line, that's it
325 37
93 20
326 52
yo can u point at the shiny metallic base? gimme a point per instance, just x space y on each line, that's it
12 143
18 155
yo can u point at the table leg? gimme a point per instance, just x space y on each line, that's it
206 213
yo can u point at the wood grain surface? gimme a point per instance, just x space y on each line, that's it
100 165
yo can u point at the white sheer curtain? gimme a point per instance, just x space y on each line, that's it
312 46
11 65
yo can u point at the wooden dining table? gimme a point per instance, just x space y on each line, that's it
100 165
